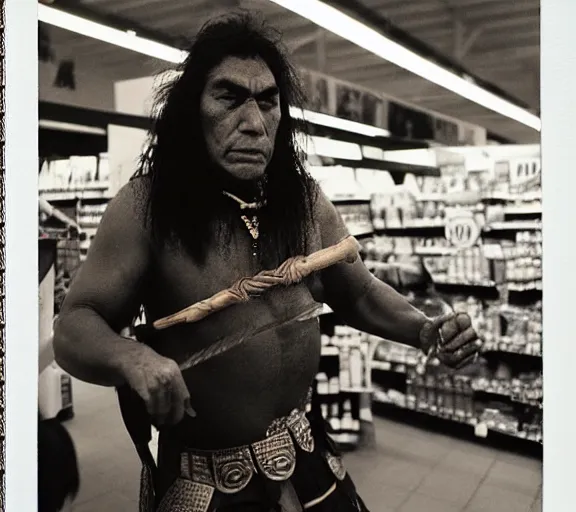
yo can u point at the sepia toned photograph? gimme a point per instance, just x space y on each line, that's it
290 256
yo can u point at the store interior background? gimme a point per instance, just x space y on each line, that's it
417 159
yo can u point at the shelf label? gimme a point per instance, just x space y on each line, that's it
462 230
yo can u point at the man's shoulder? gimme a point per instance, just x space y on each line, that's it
136 191
130 204
323 207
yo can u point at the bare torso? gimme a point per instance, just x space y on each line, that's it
237 394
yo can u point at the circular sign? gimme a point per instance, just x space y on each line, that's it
462 230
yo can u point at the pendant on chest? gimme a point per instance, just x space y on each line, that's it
252 225
251 222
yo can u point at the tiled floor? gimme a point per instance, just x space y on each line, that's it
408 470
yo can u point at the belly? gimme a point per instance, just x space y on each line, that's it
236 395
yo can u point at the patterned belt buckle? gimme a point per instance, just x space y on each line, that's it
276 456
233 469
300 427
336 465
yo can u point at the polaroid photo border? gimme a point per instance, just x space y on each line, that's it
2 263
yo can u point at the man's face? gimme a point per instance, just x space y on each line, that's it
240 114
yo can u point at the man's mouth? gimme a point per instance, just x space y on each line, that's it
248 154
249 151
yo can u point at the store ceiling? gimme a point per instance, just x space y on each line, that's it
501 45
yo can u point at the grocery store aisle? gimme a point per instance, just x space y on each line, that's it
408 470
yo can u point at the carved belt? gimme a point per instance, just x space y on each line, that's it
230 471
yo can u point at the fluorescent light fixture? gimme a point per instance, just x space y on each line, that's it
70 127
356 32
338 123
126 39
330 19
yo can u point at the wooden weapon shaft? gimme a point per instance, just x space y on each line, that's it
292 271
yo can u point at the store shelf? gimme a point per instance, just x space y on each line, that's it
523 209
509 348
511 197
420 227
536 402
75 194
441 280
384 165
477 425
356 390
434 197
434 251
429 230
345 438
455 418
393 367
350 200
518 286
513 225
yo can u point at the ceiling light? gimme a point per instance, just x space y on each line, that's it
125 39
331 19
356 32
338 123
128 39
70 127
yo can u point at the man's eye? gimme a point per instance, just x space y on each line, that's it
229 98
268 103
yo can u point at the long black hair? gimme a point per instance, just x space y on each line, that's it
184 198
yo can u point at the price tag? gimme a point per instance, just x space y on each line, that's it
462 230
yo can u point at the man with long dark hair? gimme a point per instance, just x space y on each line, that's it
222 194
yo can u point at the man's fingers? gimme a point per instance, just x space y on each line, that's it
449 330
439 321
188 409
460 340
466 362
269 279
182 395
463 320
160 403
455 359
177 411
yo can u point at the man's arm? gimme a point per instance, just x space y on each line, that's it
359 298
105 295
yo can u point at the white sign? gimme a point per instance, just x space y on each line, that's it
462 230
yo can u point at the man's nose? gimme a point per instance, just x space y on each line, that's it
251 121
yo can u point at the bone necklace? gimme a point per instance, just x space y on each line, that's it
251 224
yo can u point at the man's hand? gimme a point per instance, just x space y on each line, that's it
455 339
159 382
